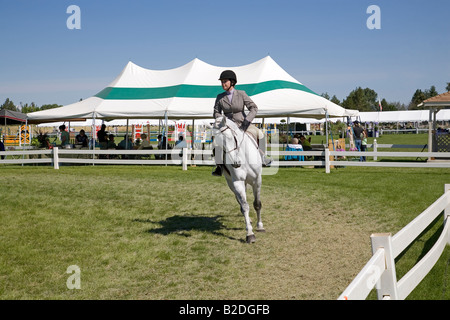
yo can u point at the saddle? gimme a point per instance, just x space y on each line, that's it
254 133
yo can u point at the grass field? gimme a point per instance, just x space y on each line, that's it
149 232
421 138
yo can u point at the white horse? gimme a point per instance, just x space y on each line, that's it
242 166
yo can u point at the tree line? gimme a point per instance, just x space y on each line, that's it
367 100
359 99
26 108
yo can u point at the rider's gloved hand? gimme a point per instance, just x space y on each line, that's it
245 124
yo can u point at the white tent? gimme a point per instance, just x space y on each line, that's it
403 116
190 91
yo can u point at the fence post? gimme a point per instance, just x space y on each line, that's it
375 149
327 160
447 208
55 158
447 212
387 285
185 157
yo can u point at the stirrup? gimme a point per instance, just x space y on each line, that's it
217 172
267 161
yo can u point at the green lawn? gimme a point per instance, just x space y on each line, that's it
415 139
150 232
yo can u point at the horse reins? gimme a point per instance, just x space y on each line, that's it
234 136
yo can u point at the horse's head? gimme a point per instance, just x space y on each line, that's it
226 139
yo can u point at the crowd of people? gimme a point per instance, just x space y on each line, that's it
107 140
359 135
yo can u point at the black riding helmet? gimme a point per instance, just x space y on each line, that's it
229 74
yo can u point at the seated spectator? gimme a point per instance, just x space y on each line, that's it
145 144
126 143
111 144
44 141
294 146
81 139
162 145
306 143
180 144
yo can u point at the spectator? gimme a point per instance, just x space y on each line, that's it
363 145
102 137
81 139
126 143
306 143
180 144
145 144
65 137
357 131
111 144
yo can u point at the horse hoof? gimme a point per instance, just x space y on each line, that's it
260 230
251 238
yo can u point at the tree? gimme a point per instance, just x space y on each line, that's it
30 108
27 108
392 106
8 105
420 96
417 99
325 95
362 100
431 93
448 87
50 106
334 99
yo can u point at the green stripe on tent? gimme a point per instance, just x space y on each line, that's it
194 91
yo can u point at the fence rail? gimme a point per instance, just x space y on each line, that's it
379 271
324 158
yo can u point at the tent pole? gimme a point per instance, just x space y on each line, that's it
69 131
326 128
26 130
193 134
288 128
126 136
93 132
25 136
166 134
93 138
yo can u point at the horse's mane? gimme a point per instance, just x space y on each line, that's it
232 124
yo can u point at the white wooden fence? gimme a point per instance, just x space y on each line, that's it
186 157
380 272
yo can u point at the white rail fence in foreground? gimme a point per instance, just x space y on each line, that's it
324 158
380 272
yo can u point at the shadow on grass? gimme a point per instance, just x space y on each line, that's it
181 225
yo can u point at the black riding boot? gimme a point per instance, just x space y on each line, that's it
218 171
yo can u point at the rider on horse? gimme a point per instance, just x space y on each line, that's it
231 103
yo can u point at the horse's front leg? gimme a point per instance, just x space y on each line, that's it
241 197
258 205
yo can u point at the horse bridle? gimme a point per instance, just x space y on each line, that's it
222 130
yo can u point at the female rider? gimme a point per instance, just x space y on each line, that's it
232 103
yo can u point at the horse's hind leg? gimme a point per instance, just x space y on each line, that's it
258 205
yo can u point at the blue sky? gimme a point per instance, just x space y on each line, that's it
325 44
